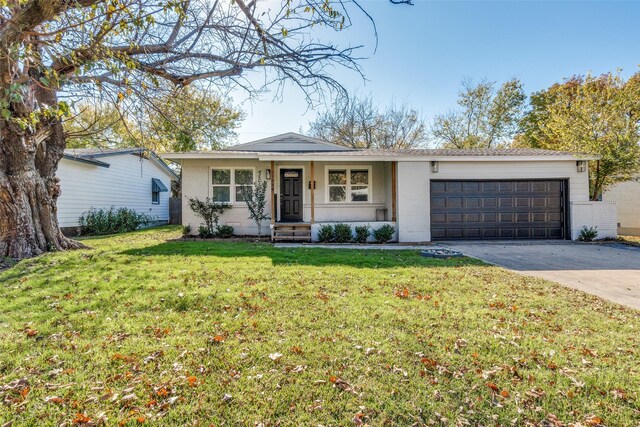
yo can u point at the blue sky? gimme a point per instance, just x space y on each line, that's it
426 50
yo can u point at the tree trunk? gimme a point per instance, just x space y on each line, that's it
29 190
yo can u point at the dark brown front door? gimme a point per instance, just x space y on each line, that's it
518 209
291 195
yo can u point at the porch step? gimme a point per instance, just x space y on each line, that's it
294 232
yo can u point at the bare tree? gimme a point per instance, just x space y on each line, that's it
488 117
358 123
56 51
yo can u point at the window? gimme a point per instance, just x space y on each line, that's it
348 185
338 185
157 187
227 184
221 181
243 178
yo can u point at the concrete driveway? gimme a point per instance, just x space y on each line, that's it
610 271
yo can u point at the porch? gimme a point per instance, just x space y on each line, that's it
306 195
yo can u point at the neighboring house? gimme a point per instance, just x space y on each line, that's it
101 178
427 194
626 196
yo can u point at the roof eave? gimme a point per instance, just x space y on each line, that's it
349 156
85 160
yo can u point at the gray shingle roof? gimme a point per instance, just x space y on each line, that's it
431 152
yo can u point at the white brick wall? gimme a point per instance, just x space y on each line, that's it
594 214
413 214
627 198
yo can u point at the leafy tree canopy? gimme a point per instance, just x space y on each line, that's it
487 116
597 115
183 119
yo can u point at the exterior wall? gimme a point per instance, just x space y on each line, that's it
325 211
315 227
125 183
626 195
413 205
196 182
594 214
414 186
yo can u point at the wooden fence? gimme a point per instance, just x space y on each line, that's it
175 210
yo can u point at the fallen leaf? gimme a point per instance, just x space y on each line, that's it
275 356
81 418
54 399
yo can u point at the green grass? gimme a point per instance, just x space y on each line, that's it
141 329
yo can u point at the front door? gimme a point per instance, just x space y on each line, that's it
291 195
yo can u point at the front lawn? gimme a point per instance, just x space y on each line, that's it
141 330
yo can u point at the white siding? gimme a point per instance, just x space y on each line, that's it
414 190
626 195
126 183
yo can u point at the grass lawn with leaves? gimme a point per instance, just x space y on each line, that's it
140 329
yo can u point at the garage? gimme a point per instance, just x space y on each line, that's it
498 209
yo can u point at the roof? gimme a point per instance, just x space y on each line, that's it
290 142
91 156
293 146
514 154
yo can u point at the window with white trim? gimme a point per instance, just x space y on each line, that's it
227 184
221 182
242 178
348 185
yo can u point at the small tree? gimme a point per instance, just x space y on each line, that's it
208 210
256 199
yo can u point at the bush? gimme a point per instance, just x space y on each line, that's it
326 233
112 221
204 233
208 210
186 230
342 233
384 233
588 234
362 233
224 231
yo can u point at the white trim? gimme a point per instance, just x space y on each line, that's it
232 182
277 189
349 156
348 168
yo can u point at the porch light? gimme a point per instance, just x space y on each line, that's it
268 174
581 165
435 166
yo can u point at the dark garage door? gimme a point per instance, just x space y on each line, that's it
497 209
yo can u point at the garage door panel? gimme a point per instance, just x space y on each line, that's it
516 209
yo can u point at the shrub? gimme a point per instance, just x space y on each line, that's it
588 234
224 231
384 233
362 233
342 233
208 210
256 199
186 230
325 233
111 221
204 233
